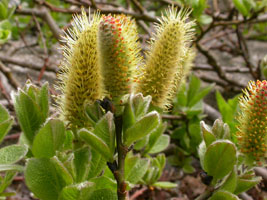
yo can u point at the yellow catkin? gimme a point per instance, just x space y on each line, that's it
163 70
119 53
252 128
79 77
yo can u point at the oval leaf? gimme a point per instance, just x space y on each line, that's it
141 128
97 143
12 153
49 139
43 179
220 158
223 195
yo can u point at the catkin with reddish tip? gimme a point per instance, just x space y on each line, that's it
119 53
79 78
163 71
252 128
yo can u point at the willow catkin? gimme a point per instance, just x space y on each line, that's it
79 78
252 128
163 70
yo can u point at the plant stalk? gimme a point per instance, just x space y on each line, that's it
122 151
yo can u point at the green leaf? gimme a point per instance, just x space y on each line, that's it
68 143
187 167
141 128
43 179
141 144
201 152
4 115
97 164
161 144
243 185
62 170
8 167
128 115
207 134
97 143
140 105
5 128
81 191
29 114
93 112
105 130
241 7
3 11
135 168
104 182
49 139
82 159
165 185
13 153
223 195
199 95
43 100
104 194
5 122
230 182
181 97
154 136
220 158
217 129
194 86
7 180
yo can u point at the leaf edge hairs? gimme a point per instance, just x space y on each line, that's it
252 120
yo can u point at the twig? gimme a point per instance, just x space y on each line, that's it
245 196
138 193
4 92
6 71
25 64
171 117
46 59
122 151
45 15
261 171
138 16
205 67
244 51
211 60
12 136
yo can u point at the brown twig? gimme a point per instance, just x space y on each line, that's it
45 15
6 71
23 63
217 68
245 54
138 193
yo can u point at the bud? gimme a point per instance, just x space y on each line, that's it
79 78
164 68
252 119
119 53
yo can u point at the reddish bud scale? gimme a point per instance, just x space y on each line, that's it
119 53
252 127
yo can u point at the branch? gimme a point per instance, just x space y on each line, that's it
217 68
23 63
44 15
7 72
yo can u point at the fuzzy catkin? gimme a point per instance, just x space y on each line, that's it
252 128
164 68
119 53
80 79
